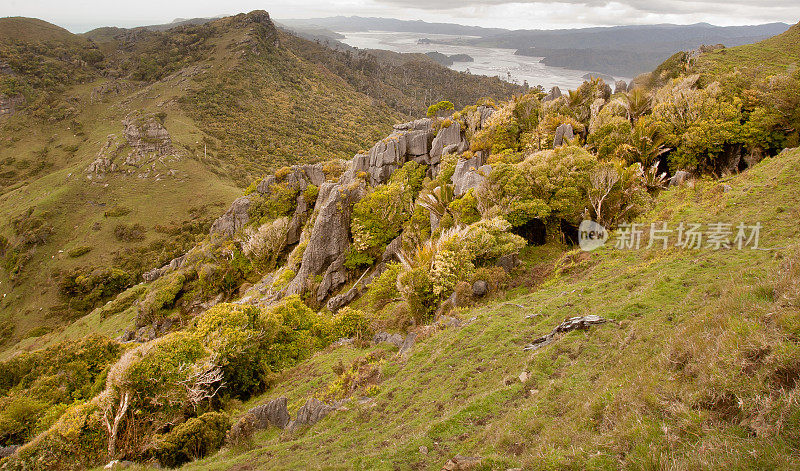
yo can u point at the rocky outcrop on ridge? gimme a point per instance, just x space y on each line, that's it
325 227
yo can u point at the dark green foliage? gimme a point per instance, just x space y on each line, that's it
383 290
191 440
130 233
84 289
279 202
379 216
160 298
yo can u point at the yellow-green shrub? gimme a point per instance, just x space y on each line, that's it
191 440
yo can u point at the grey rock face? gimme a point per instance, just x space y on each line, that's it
310 413
235 218
448 136
339 301
417 143
330 237
157 273
469 174
394 339
480 288
146 135
555 93
621 86
563 133
272 413
679 178
408 344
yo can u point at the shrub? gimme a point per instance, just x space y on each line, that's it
191 440
442 106
18 417
379 216
79 251
265 245
293 332
85 289
488 240
234 333
160 296
126 233
384 288
240 436
158 376
349 323
75 441
465 209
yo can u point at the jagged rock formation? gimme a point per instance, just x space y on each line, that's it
325 228
564 133
621 86
157 273
149 143
273 413
234 219
555 93
310 413
469 173
147 136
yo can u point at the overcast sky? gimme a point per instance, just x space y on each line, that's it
83 15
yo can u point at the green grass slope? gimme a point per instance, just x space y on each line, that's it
778 54
698 369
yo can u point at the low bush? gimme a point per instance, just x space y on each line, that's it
130 233
79 251
191 440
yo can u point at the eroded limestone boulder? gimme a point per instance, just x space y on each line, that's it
564 133
274 413
234 219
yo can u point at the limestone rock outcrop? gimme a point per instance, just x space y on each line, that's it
554 94
146 135
469 173
564 133
273 413
310 413
235 218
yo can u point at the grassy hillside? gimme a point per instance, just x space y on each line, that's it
238 99
697 369
779 54
691 361
17 28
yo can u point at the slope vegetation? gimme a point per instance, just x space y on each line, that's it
119 147
698 367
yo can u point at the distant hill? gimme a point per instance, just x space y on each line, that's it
17 28
358 23
617 50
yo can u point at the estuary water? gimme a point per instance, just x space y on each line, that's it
493 62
